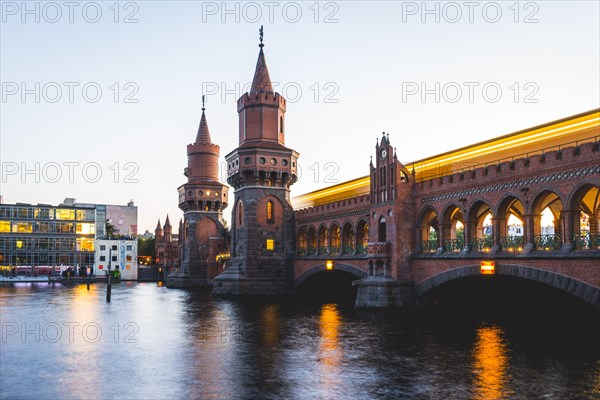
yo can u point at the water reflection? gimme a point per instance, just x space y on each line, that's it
190 346
490 363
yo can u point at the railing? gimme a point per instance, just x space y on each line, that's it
481 244
311 251
301 251
335 249
512 243
323 249
347 249
547 242
360 249
378 248
429 246
454 245
586 241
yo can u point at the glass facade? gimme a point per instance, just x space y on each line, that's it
33 238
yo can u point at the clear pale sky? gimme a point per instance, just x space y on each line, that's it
346 81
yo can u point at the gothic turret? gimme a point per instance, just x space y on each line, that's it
261 170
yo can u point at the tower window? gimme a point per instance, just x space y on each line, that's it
270 244
270 217
280 124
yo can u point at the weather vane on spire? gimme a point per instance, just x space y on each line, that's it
261 33
202 102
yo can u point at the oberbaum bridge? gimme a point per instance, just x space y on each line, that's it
523 205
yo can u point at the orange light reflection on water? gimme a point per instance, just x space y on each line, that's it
490 364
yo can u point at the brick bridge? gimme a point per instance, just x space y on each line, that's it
535 212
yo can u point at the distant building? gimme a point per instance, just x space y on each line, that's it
120 254
166 246
42 238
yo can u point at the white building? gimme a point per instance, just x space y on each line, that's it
121 253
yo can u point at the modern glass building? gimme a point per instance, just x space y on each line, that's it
43 239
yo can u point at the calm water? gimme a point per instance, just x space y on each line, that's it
151 342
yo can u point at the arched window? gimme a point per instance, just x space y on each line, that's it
240 213
382 230
270 218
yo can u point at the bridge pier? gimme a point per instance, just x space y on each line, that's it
384 292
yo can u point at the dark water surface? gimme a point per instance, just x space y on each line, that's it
151 342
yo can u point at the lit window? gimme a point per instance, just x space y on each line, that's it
128 258
4 226
85 228
270 211
270 244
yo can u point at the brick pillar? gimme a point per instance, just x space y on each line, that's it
468 233
443 234
498 229
566 226
529 229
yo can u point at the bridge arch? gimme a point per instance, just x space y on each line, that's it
584 204
586 292
357 272
511 221
428 229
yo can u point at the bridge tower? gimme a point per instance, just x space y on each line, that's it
261 170
390 282
202 199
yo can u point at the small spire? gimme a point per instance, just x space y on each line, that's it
167 223
262 80
260 36
203 135
158 227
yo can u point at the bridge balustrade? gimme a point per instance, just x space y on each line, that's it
335 250
481 244
377 249
547 242
429 246
347 249
586 241
360 249
454 245
512 243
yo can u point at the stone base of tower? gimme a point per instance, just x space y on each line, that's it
233 282
384 292
180 279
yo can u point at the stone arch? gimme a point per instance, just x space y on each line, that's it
362 235
584 207
311 240
510 209
428 229
348 238
323 239
588 293
452 236
302 241
357 272
545 236
335 238
479 235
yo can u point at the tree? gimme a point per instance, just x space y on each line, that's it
146 246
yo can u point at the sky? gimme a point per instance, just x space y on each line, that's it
100 99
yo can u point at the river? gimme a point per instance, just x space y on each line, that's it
150 342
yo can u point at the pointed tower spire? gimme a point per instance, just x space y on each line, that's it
203 135
158 226
262 80
167 223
